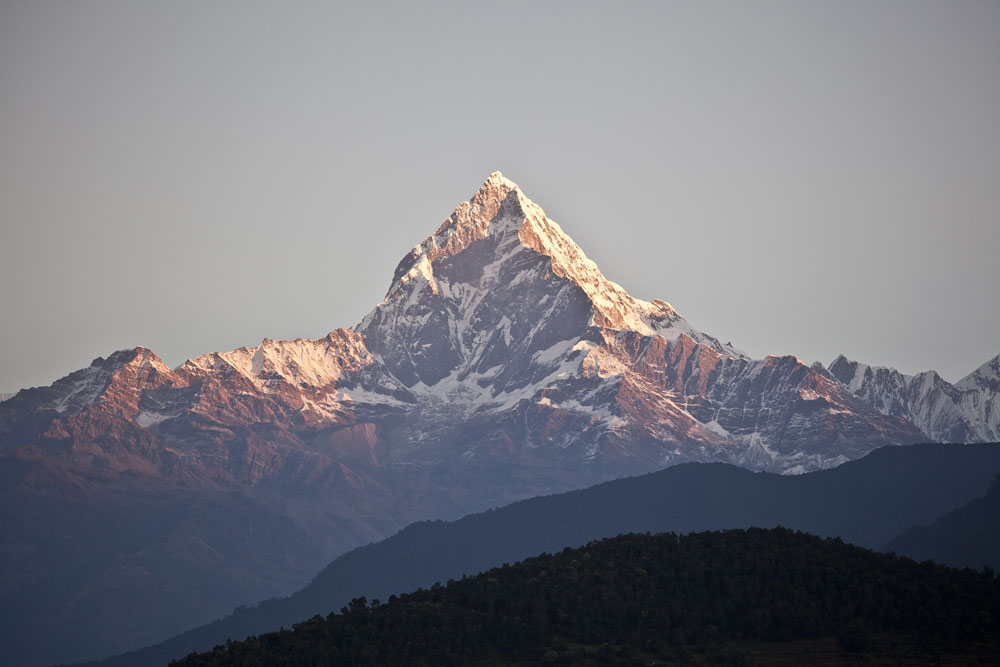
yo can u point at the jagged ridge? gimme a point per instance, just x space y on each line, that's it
967 411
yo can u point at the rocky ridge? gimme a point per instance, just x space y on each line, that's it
967 411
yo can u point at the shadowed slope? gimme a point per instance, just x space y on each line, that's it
866 502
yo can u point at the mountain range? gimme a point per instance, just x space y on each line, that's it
500 365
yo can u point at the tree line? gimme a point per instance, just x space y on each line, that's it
657 595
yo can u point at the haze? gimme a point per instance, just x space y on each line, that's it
797 178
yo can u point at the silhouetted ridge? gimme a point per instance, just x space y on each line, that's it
966 537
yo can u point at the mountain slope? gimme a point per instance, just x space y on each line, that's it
83 557
966 537
866 502
113 495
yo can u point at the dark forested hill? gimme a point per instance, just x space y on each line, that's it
967 537
866 502
642 596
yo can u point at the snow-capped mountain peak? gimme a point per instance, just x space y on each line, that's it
987 375
497 274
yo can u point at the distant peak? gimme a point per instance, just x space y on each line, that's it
986 375
841 359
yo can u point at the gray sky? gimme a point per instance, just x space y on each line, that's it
803 178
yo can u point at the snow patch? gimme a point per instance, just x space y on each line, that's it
716 428
145 419
84 391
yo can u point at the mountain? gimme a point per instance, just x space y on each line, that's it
660 599
967 411
866 502
525 361
500 365
966 537
100 513
499 347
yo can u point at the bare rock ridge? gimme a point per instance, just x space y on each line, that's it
500 365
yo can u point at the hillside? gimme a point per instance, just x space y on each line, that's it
867 502
966 537
634 598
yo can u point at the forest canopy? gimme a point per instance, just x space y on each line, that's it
658 595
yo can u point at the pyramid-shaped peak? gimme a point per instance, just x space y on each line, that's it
499 256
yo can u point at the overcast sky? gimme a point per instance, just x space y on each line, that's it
807 178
